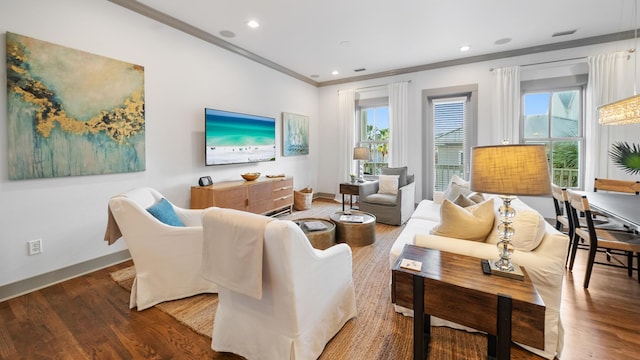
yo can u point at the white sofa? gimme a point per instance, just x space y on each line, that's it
544 264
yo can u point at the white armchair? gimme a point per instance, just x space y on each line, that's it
304 295
167 258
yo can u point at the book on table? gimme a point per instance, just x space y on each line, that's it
315 225
352 218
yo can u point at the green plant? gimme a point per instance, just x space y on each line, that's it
626 157
565 155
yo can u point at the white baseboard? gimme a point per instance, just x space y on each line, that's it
321 195
42 281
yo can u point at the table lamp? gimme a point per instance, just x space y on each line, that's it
361 153
507 171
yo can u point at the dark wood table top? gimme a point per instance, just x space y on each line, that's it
458 291
622 207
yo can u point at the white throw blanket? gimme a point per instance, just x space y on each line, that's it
232 249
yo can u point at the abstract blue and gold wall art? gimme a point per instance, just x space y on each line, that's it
71 113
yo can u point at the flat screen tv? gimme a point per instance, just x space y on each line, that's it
234 138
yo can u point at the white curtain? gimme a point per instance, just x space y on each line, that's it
398 124
346 126
506 104
606 84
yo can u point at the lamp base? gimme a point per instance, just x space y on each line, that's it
515 274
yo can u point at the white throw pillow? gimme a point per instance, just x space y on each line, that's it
388 184
455 179
529 229
455 190
456 187
471 223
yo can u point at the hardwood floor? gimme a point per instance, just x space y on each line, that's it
603 321
89 318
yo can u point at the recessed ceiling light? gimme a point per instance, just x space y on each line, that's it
227 33
335 72
253 24
502 41
464 48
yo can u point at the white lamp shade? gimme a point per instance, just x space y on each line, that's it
510 170
361 153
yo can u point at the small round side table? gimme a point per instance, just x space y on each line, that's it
319 239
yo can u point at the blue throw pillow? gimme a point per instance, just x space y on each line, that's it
163 211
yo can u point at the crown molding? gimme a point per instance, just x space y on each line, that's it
180 25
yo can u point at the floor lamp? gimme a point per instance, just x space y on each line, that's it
508 171
361 153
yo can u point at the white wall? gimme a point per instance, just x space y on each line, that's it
477 73
182 76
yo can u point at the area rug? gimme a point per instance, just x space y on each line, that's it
196 312
376 333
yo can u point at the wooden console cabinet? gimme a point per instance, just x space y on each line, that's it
262 196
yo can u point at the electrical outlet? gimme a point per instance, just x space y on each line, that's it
34 246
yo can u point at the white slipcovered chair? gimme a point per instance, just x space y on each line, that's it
279 298
167 258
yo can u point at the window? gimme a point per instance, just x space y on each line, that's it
553 116
450 118
373 128
449 144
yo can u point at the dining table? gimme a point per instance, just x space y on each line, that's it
624 208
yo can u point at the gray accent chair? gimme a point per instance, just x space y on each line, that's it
389 209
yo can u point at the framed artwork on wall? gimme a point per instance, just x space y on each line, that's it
71 113
295 134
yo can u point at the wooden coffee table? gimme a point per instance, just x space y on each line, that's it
453 287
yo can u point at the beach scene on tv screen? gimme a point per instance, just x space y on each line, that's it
238 138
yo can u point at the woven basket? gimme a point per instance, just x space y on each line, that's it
302 199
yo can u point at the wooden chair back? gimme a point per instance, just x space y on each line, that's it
560 203
623 186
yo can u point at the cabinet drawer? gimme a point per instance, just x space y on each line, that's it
283 201
282 188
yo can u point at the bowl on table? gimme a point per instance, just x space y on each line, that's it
250 176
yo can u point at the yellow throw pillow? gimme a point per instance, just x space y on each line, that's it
470 223
468 200
463 201
476 197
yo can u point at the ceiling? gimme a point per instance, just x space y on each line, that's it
308 39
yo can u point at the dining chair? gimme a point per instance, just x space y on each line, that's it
601 240
564 220
619 186
559 196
